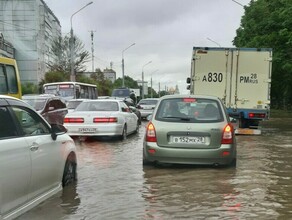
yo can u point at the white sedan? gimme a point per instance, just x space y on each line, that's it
102 117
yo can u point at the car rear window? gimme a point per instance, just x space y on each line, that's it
73 104
148 102
98 106
189 110
121 93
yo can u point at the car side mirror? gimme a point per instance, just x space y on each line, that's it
57 129
149 117
51 108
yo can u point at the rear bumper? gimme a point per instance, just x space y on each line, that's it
189 156
107 130
145 113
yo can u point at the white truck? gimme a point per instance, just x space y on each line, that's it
241 77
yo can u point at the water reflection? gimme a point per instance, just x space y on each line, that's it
70 199
190 192
113 184
57 207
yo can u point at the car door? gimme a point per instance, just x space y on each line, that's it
46 156
15 165
130 117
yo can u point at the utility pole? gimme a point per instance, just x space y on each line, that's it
151 88
92 51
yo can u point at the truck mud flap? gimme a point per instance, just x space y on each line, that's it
248 131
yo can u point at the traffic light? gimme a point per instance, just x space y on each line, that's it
188 83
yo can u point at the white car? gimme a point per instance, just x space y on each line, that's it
147 106
102 117
73 103
36 159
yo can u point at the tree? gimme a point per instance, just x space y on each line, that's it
104 85
129 83
53 76
268 24
29 88
60 59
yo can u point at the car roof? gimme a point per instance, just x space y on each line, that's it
42 96
102 100
189 96
150 99
35 96
76 100
12 100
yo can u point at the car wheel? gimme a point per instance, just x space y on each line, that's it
137 127
147 162
233 163
69 174
124 134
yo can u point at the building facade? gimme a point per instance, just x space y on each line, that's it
110 74
6 48
30 26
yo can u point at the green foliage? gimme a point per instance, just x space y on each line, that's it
29 88
56 76
85 79
268 24
129 83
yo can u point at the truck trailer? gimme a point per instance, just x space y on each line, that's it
241 77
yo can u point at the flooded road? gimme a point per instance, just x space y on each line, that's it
112 183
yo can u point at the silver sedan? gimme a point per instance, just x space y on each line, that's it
190 129
102 117
36 158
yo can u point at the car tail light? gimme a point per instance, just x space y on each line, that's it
189 100
256 115
105 120
150 133
73 120
227 136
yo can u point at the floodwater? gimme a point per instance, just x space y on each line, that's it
112 183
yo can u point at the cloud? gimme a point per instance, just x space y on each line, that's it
164 31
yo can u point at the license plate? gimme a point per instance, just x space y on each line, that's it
188 140
87 130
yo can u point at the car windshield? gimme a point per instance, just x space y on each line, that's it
98 106
189 110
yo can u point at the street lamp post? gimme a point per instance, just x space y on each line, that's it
71 43
143 78
238 3
123 65
213 41
151 83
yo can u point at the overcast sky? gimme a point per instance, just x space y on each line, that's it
164 32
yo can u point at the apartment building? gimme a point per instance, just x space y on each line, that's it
30 26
